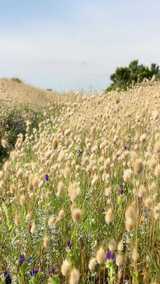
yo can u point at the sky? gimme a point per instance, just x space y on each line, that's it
76 44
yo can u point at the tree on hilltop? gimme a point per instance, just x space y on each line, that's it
126 77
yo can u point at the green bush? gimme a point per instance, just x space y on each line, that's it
17 80
126 77
13 123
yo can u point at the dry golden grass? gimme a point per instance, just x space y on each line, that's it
12 92
80 199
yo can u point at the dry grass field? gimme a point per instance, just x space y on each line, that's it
13 92
80 195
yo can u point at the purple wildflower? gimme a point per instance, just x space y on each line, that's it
8 278
34 271
69 244
46 177
110 256
21 259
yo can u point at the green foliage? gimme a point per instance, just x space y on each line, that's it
126 77
13 123
17 80
54 280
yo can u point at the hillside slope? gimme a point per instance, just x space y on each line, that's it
80 199
119 107
12 92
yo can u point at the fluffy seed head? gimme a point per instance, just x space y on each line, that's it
157 147
119 259
35 182
60 188
76 214
45 241
109 216
112 245
73 191
100 255
51 220
130 217
108 191
138 166
60 215
74 276
17 219
22 199
127 174
4 143
32 227
120 246
92 264
66 267
135 255
157 171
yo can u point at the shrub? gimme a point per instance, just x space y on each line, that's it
126 77
13 123
17 80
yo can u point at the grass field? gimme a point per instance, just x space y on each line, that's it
80 198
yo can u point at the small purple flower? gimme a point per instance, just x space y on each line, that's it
69 244
34 271
7 277
46 177
110 255
21 259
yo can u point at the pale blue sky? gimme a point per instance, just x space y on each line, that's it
74 44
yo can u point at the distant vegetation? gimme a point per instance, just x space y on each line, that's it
126 77
17 80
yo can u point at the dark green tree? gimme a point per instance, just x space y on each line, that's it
126 77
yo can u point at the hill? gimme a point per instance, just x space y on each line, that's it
15 93
80 199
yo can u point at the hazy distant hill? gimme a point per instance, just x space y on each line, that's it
12 92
